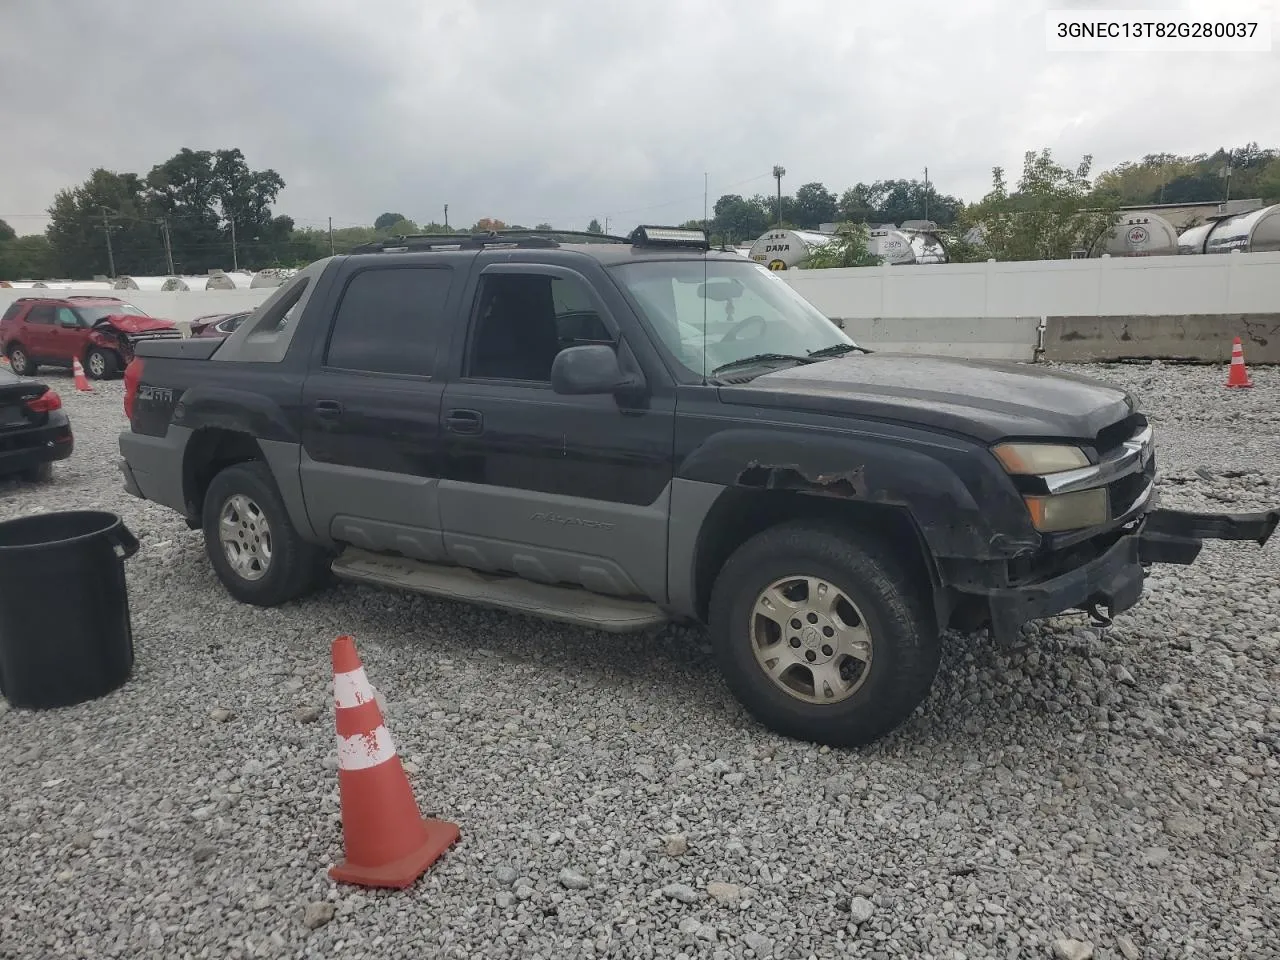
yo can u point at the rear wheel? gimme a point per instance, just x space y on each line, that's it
823 635
258 555
101 364
19 361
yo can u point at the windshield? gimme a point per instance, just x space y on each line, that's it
92 315
746 310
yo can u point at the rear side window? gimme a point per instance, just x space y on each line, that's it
390 320
42 314
11 312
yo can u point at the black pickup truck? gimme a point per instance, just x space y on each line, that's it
619 432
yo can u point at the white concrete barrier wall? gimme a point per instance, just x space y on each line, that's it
1115 286
987 310
977 338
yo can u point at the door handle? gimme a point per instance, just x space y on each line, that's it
328 408
464 421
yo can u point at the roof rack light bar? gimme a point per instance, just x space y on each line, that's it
650 236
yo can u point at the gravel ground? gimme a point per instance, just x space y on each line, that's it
1115 789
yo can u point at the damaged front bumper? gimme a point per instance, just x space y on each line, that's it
1114 579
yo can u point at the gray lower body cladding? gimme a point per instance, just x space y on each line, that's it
152 466
154 469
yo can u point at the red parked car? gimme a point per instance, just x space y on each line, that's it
54 331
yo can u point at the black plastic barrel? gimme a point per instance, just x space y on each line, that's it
65 634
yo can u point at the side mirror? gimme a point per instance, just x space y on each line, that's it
590 369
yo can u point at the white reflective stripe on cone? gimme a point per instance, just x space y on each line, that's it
365 750
351 689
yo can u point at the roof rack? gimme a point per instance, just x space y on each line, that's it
478 241
91 296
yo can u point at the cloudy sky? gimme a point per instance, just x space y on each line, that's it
564 110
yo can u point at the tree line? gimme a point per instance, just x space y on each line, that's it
208 209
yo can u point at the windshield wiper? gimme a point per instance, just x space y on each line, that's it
759 358
838 350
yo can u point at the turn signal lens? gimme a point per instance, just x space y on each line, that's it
1036 459
1068 511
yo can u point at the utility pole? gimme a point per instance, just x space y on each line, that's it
331 236
778 173
235 259
446 216
926 193
111 257
606 225
168 248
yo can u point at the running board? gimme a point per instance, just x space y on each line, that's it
546 601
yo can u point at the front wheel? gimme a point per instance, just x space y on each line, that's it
823 636
253 546
101 364
20 362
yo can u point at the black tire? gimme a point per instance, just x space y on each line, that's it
101 364
294 565
41 473
895 609
20 361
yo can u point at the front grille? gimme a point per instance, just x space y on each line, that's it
1126 491
1110 439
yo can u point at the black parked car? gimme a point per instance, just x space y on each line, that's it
34 429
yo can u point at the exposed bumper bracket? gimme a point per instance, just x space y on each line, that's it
1114 579
1181 525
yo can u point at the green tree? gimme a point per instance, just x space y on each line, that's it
6 232
812 205
81 216
594 226
894 201
246 196
738 220
861 203
1054 212
396 228
850 248
385 220
543 226
1268 184
183 194
25 258
197 193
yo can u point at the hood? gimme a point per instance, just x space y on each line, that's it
130 324
987 401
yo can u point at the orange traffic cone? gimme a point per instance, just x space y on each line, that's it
82 382
386 839
1238 376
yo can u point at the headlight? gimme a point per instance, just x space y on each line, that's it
1068 511
1033 459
